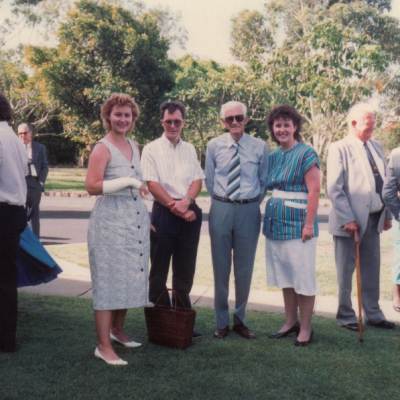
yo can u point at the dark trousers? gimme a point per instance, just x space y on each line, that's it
32 204
12 224
177 239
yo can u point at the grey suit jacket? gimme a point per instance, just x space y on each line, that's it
39 159
349 188
392 184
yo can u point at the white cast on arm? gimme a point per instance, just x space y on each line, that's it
114 185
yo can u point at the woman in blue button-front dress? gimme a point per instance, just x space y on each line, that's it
118 235
290 222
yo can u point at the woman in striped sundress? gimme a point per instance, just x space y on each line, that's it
290 222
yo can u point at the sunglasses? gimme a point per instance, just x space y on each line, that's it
238 118
176 122
23 133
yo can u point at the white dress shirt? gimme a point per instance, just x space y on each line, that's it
13 167
31 169
253 154
174 168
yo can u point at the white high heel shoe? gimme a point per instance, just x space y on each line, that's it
127 344
120 361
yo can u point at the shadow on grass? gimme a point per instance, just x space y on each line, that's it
57 339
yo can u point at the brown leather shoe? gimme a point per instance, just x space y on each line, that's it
221 333
243 331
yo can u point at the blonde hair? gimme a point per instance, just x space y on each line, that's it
118 99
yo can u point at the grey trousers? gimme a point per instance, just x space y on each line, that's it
32 204
234 231
370 261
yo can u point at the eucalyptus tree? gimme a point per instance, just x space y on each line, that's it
334 54
29 102
104 49
204 86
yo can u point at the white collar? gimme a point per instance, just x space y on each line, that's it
168 142
241 142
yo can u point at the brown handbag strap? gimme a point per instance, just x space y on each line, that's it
176 296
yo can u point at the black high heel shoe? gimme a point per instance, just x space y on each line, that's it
302 344
279 335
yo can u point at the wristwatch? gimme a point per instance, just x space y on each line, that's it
189 198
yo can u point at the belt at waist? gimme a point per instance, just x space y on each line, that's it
192 206
124 192
3 204
281 194
31 177
238 201
194 201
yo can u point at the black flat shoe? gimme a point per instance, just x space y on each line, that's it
303 344
279 335
383 324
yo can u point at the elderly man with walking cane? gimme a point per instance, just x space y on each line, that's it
356 168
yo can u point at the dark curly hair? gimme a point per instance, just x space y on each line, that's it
5 109
286 112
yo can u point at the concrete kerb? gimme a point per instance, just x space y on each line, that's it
82 202
75 281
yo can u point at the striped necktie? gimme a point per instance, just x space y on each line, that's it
375 172
233 189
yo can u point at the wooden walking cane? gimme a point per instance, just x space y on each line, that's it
358 274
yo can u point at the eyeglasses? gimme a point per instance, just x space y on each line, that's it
238 118
176 122
23 133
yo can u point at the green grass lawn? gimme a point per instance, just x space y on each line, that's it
326 270
56 338
66 180
73 180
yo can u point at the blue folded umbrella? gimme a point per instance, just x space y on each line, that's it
35 265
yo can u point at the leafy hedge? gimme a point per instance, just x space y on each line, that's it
60 150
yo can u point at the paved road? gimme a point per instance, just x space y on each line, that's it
64 220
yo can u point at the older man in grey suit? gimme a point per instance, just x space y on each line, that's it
236 170
356 169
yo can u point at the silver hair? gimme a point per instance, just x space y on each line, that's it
232 104
29 126
356 110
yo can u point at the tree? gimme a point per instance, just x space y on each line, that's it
29 103
323 75
22 14
48 14
334 54
251 39
205 85
104 49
